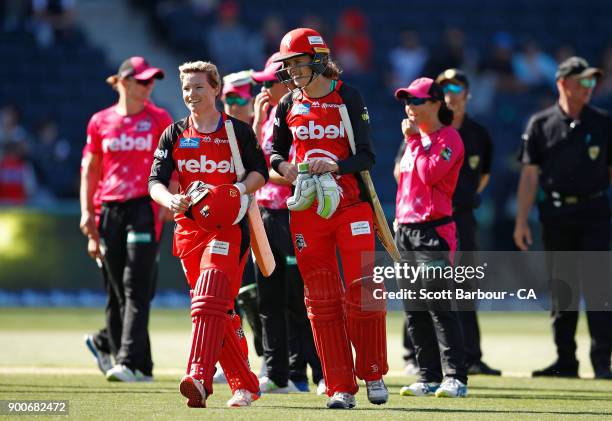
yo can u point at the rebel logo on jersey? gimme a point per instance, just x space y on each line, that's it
316 131
205 165
127 143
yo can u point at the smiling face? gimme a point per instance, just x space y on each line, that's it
299 70
198 94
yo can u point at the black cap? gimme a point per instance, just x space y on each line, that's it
577 66
453 76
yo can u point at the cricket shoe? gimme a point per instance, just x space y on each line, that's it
103 359
298 387
242 397
194 391
267 385
558 369
122 373
419 389
341 400
452 388
482 368
321 387
377 392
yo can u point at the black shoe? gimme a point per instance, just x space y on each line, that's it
603 374
558 370
482 368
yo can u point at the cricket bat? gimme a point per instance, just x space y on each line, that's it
259 240
380 220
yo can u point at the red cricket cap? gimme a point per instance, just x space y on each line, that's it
139 68
301 41
423 87
269 72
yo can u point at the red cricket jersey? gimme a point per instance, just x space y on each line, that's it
126 144
206 157
314 127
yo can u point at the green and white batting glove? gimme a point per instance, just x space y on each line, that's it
305 190
328 195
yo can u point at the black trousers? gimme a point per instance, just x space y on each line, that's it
588 273
112 313
433 326
287 336
127 235
466 231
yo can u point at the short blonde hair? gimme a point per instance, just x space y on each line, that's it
202 67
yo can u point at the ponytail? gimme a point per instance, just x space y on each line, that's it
445 114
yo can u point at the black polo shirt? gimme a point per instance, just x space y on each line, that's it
477 162
574 157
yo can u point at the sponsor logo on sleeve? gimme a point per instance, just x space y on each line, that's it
189 142
161 153
446 153
364 114
219 247
300 243
474 160
360 228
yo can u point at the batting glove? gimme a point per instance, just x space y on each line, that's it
328 195
305 190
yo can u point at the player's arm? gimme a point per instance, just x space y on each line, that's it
91 174
527 189
252 157
364 156
281 142
161 173
530 157
487 157
434 163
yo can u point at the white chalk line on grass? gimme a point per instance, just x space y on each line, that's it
158 371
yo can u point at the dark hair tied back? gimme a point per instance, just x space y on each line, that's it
445 114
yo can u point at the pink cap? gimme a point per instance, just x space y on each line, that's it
423 87
269 72
138 68
243 91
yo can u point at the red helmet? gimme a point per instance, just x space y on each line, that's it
301 41
215 208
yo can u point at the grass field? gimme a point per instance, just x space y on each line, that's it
42 356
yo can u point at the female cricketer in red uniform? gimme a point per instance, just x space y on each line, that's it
115 167
210 238
426 235
309 119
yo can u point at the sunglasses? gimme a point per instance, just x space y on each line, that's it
268 84
236 100
589 82
452 88
145 82
415 101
